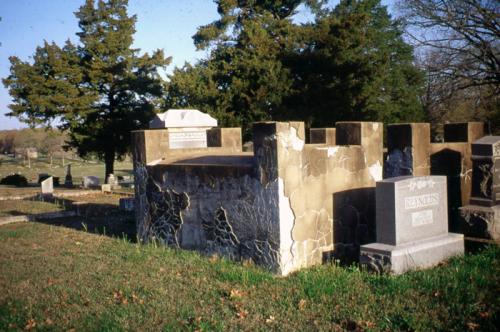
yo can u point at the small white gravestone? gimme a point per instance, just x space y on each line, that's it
411 225
90 181
187 128
47 186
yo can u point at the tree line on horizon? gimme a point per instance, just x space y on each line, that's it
438 61
48 142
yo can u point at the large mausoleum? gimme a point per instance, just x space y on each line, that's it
288 204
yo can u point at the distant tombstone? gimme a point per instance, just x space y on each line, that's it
90 181
481 218
47 186
187 128
111 180
68 180
105 188
411 225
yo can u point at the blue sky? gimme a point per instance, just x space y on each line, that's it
167 24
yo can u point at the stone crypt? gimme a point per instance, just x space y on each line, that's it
286 205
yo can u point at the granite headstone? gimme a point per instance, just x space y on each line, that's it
411 225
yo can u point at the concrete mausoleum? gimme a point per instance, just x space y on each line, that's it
286 205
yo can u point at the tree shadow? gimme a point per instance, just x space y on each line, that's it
354 223
98 218
449 163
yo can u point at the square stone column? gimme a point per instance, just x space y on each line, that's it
322 136
370 136
408 150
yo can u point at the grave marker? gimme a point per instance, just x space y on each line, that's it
47 186
187 128
90 181
68 180
412 225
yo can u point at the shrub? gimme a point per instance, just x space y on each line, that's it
17 180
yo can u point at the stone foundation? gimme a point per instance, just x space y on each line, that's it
397 259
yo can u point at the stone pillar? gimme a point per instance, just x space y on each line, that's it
322 136
482 215
408 150
463 131
354 205
278 154
369 135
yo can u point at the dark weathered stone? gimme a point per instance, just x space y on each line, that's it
481 222
68 180
354 223
348 133
449 163
486 171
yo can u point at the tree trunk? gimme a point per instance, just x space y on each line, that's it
109 159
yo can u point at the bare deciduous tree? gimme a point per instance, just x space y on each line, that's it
466 33
458 46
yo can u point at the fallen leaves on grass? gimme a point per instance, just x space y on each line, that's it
236 293
30 324
136 299
242 314
485 314
472 326
302 304
270 320
119 298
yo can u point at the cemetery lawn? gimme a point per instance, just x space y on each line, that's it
79 168
22 207
59 278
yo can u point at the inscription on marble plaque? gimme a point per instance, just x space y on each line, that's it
421 218
416 202
411 209
187 139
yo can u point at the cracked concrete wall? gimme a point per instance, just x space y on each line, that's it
275 207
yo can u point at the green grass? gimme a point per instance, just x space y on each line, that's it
57 278
79 168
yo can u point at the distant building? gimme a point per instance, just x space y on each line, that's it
21 153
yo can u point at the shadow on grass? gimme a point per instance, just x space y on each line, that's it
98 218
